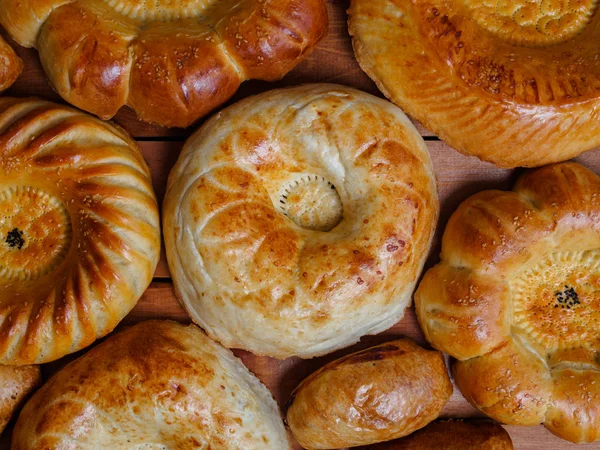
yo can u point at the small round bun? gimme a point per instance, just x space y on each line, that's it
79 229
375 395
10 65
516 299
299 220
16 383
172 61
156 385
513 82
453 435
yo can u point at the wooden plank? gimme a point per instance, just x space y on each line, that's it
336 50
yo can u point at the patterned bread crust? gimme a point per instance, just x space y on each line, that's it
172 61
516 299
16 383
375 395
156 385
10 65
79 229
514 82
299 220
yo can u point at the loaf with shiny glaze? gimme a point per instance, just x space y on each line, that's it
10 65
171 61
375 395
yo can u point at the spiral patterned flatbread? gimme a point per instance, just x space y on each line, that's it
79 229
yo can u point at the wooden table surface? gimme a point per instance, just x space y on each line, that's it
458 177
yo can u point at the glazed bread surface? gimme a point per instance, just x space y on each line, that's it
299 220
79 229
375 395
158 385
10 65
453 435
516 300
16 383
516 83
171 61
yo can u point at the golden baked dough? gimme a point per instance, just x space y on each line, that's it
375 395
16 383
299 220
79 229
157 385
454 435
10 65
516 299
172 61
514 82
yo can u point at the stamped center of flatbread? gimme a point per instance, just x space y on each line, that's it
311 202
557 301
533 22
35 233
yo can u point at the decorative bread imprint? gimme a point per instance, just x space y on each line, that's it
172 61
516 83
79 229
10 65
533 22
516 299
156 385
298 221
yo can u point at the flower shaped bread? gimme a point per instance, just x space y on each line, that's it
172 61
516 300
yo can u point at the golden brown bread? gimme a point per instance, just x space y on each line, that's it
171 61
10 65
453 435
79 229
516 299
157 385
299 220
513 82
16 383
375 395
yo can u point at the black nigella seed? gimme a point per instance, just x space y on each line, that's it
15 239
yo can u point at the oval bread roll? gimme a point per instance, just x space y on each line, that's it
374 395
79 229
172 61
516 299
10 65
156 385
299 220
453 435
513 82
16 383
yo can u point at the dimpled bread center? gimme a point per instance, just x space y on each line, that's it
557 301
533 22
311 202
162 10
35 233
